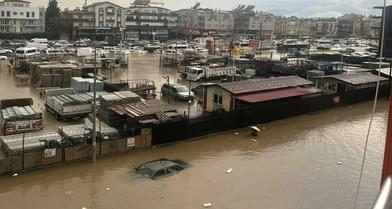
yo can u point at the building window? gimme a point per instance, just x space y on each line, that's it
27 14
218 99
32 14
8 14
2 13
15 13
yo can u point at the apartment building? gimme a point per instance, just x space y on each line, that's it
145 21
86 22
18 17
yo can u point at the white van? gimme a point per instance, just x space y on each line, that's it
54 51
40 43
26 52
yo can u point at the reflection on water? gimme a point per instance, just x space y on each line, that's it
291 165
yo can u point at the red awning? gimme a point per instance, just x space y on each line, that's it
275 95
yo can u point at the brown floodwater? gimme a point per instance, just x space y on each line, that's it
292 165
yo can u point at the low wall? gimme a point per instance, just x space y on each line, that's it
5 165
69 154
77 152
112 147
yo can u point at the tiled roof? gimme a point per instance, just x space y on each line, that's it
265 84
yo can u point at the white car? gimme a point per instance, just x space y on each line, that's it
6 51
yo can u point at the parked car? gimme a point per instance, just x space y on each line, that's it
161 167
4 51
177 91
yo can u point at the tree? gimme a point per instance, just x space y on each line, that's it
52 18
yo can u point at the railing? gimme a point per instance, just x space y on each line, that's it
384 198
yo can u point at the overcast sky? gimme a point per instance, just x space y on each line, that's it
301 8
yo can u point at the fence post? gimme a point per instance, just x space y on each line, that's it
23 144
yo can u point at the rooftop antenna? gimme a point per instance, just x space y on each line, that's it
85 3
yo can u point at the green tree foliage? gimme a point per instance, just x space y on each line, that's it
53 20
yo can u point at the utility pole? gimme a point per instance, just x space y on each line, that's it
94 142
219 21
235 11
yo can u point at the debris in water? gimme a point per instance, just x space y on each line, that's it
236 133
339 163
15 174
68 192
264 128
254 140
162 196
229 170
84 208
207 205
107 189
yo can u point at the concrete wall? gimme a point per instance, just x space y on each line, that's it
77 152
80 152
5 165
112 147
31 160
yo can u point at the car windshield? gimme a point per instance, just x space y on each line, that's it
182 89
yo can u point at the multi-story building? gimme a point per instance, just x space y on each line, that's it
198 22
216 21
349 25
371 27
104 15
252 24
325 26
18 17
147 22
243 21
81 24
291 26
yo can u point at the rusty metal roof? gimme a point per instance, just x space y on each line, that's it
265 84
143 108
277 94
356 78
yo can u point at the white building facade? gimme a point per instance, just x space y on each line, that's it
146 22
107 14
17 16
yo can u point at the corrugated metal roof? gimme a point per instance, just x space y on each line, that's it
255 85
277 94
356 78
140 109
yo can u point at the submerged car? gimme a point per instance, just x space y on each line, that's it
161 167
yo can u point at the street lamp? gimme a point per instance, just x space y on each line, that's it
168 83
189 99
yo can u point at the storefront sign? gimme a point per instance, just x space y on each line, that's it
49 153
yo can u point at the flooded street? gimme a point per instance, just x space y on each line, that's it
293 164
